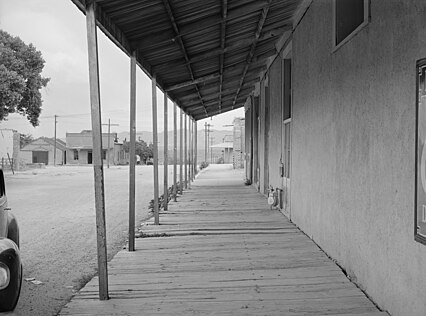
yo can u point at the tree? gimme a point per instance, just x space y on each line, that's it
25 139
20 78
142 149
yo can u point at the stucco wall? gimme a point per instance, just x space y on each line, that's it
6 143
82 157
353 148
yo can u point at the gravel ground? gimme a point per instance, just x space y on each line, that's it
56 215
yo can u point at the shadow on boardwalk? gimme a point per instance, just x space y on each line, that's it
220 250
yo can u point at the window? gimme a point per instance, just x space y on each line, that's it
286 89
104 152
420 184
75 154
350 16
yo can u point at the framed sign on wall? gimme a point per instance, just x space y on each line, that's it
420 185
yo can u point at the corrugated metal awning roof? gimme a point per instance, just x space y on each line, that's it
206 54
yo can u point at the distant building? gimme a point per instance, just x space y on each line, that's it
80 148
239 142
42 150
227 150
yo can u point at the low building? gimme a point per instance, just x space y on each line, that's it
227 151
80 148
42 150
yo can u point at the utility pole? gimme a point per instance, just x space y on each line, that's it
54 153
109 133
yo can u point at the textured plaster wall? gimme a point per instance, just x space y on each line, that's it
6 143
353 148
59 156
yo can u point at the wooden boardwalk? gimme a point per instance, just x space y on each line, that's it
220 250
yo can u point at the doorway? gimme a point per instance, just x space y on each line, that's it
286 137
40 157
89 157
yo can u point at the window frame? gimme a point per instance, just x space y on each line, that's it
76 155
421 63
355 31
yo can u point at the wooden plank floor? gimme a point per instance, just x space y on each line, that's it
220 250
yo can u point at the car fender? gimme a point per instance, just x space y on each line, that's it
12 228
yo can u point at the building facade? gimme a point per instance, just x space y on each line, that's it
42 150
333 126
80 148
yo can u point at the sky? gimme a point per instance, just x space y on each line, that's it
58 29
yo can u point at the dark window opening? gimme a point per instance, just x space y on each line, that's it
349 15
287 89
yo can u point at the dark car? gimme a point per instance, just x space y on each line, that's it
10 259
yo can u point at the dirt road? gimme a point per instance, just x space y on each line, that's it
56 215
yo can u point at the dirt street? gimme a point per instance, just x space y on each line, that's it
56 215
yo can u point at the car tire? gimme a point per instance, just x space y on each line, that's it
10 256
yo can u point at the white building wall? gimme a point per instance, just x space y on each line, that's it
6 143
353 148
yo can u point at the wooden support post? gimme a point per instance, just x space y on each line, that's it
109 140
174 151
166 155
181 152
155 149
189 153
195 149
186 153
132 151
10 163
205 142
192 150
54 146
95 102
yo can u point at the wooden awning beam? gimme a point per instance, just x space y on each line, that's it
239 44
222 46
228 71
182 46
253 46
